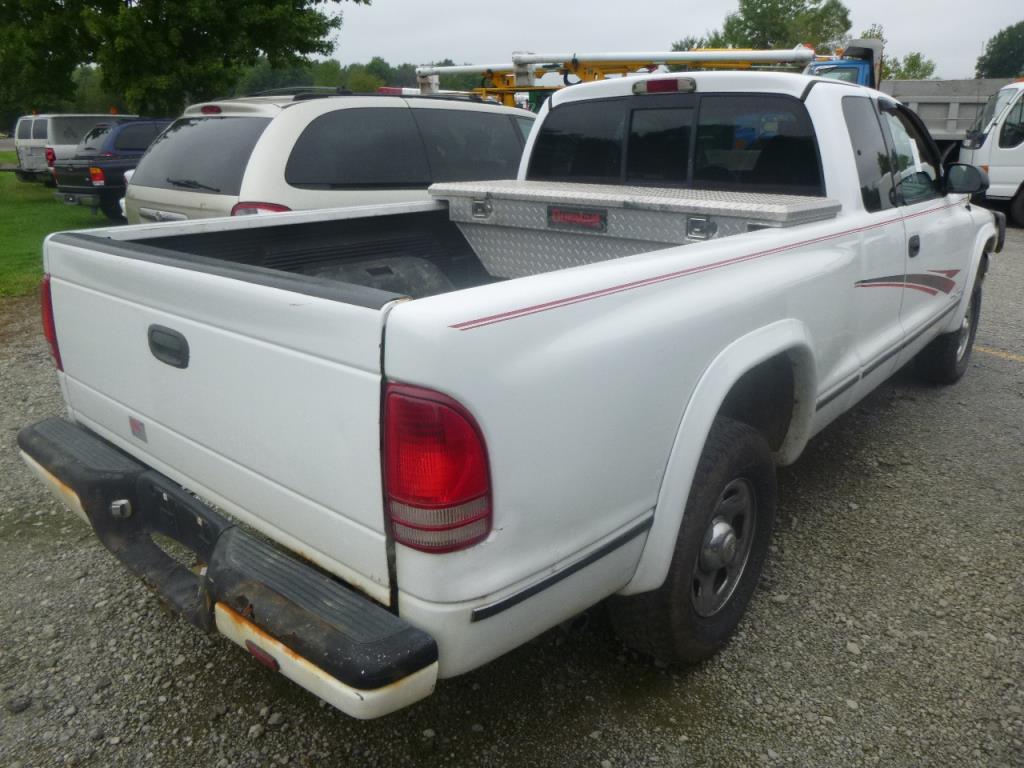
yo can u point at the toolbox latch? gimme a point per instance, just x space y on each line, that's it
700 228
482 209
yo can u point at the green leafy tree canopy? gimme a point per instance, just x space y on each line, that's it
786 23
913 66
157 54
1004 54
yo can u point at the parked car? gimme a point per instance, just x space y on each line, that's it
95 175
41 140
462 421
271 154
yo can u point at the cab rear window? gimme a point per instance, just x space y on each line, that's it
740 142
201 154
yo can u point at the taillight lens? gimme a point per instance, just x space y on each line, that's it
49 326
97 177
51 157
436 474
249 209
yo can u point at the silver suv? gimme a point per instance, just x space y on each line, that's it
274 153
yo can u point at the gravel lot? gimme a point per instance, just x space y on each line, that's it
887 631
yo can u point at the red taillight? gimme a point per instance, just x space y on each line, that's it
210 109
248 209
97 177
49 326
436 475
51 156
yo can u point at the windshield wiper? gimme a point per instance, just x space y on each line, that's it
190 184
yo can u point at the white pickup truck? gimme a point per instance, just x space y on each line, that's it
402 440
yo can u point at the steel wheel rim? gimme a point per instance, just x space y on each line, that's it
965 331
725 548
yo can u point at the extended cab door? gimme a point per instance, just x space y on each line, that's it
882 247
938 229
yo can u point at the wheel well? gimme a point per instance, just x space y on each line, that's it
764 398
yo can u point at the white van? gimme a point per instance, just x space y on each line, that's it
41 140
268 154
995 144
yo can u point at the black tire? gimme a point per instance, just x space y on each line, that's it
667 623
111 209
945 359
1017 208
22 176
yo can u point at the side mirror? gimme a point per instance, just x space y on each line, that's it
965 179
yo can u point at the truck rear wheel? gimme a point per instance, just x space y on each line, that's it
1017 208
945 359
111 209
719 553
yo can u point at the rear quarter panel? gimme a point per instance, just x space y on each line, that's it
580 378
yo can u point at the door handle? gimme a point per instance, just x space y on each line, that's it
914 246
168 346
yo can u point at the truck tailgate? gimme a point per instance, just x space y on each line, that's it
263 400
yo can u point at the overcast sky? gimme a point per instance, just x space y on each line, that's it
953 33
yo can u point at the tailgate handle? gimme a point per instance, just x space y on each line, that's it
168 346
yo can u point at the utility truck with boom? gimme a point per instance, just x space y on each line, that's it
401 440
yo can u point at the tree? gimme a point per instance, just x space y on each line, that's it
39 50
263 77
327 73
913 66
786 23
157 54
1004 54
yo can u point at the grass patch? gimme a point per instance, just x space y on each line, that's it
28 213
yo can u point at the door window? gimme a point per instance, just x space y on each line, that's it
1012 133
39 128
913 163
873 165
24 129
463 145
375 147
135 138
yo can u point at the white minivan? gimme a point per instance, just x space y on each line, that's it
996 145
269 154
41 140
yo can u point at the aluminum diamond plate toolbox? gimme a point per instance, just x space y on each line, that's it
522 228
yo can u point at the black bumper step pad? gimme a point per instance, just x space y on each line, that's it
350 637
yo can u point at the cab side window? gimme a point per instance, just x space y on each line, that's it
1012 133
914 166
873 163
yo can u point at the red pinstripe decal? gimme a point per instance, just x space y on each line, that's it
912 286
468 325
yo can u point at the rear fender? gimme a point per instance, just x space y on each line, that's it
786 336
